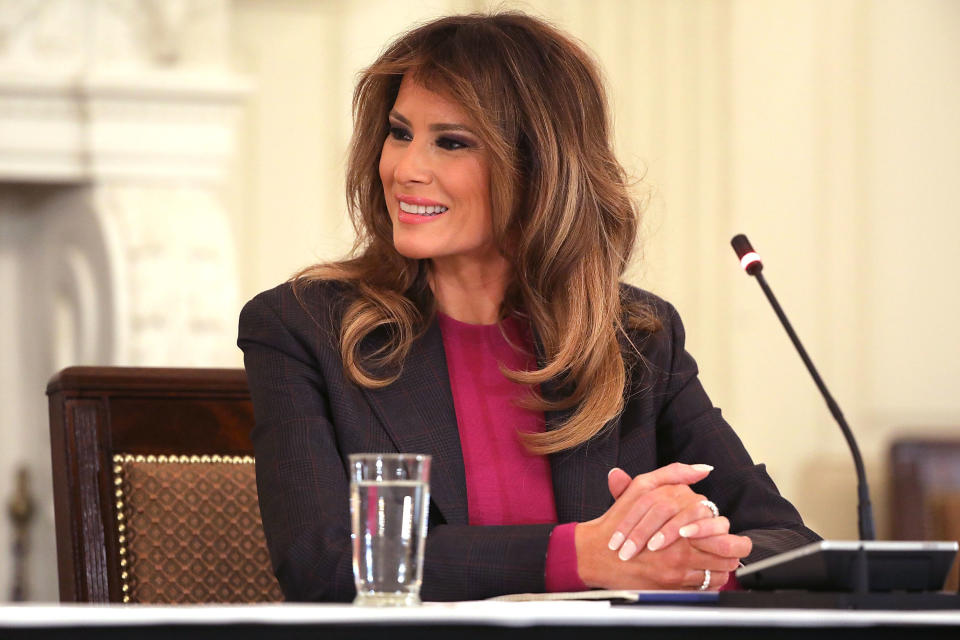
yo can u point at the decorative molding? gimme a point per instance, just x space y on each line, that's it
116 129
116 89
177 276
36 33
163 33
75 35
138 275
77 283
118 126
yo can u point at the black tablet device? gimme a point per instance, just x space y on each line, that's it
830 565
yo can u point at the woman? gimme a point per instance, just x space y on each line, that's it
481 320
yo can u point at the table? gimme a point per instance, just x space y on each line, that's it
461 621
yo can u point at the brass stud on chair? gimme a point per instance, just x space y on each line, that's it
121 527
126 566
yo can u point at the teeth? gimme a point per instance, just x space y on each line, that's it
421 209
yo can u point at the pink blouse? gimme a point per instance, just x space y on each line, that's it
506 484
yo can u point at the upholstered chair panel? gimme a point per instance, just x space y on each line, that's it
189 530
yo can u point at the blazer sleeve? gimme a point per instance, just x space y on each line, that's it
303 484
690 429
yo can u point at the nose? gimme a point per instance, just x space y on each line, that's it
413 164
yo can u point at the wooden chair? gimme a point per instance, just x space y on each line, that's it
154 487
925 493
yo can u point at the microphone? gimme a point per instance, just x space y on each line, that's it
843 574
753 265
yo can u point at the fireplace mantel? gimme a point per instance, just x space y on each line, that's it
117 125
149 125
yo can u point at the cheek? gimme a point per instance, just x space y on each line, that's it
481 190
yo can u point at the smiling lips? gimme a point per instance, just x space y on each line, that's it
418 209
422 210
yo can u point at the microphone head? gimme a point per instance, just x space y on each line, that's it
749 259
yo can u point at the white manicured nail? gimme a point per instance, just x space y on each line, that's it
702 467
656 541
616 540
628 550
689 530
612 470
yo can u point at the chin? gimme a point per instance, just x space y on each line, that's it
414 250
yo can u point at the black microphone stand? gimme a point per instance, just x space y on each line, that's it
860 568
864 507
859 576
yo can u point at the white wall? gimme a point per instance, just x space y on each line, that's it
826 130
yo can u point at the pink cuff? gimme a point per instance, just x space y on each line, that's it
732 583
561 570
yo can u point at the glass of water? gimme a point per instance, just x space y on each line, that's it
389 498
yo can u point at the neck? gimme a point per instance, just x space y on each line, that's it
467 290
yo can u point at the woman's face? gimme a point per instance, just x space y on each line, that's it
436 178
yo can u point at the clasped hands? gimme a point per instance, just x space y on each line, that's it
658 534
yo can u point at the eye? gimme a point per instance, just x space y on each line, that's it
400 133
452 144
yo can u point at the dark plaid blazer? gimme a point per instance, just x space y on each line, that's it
309 417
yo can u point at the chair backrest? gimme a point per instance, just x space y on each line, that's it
154 487
925 493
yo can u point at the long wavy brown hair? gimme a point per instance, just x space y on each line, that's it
562 213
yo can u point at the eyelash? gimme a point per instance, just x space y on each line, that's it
444 142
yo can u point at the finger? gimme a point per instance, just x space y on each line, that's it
686 521
674 473
648 514
726 545
694 579
705 528
705 560
617 481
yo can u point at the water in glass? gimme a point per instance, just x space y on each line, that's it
389 529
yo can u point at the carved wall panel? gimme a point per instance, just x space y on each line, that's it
116 125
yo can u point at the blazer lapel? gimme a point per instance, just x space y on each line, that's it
580 474
417 412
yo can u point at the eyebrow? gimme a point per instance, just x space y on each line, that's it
438 126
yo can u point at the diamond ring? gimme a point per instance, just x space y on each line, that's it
713 508
706 579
